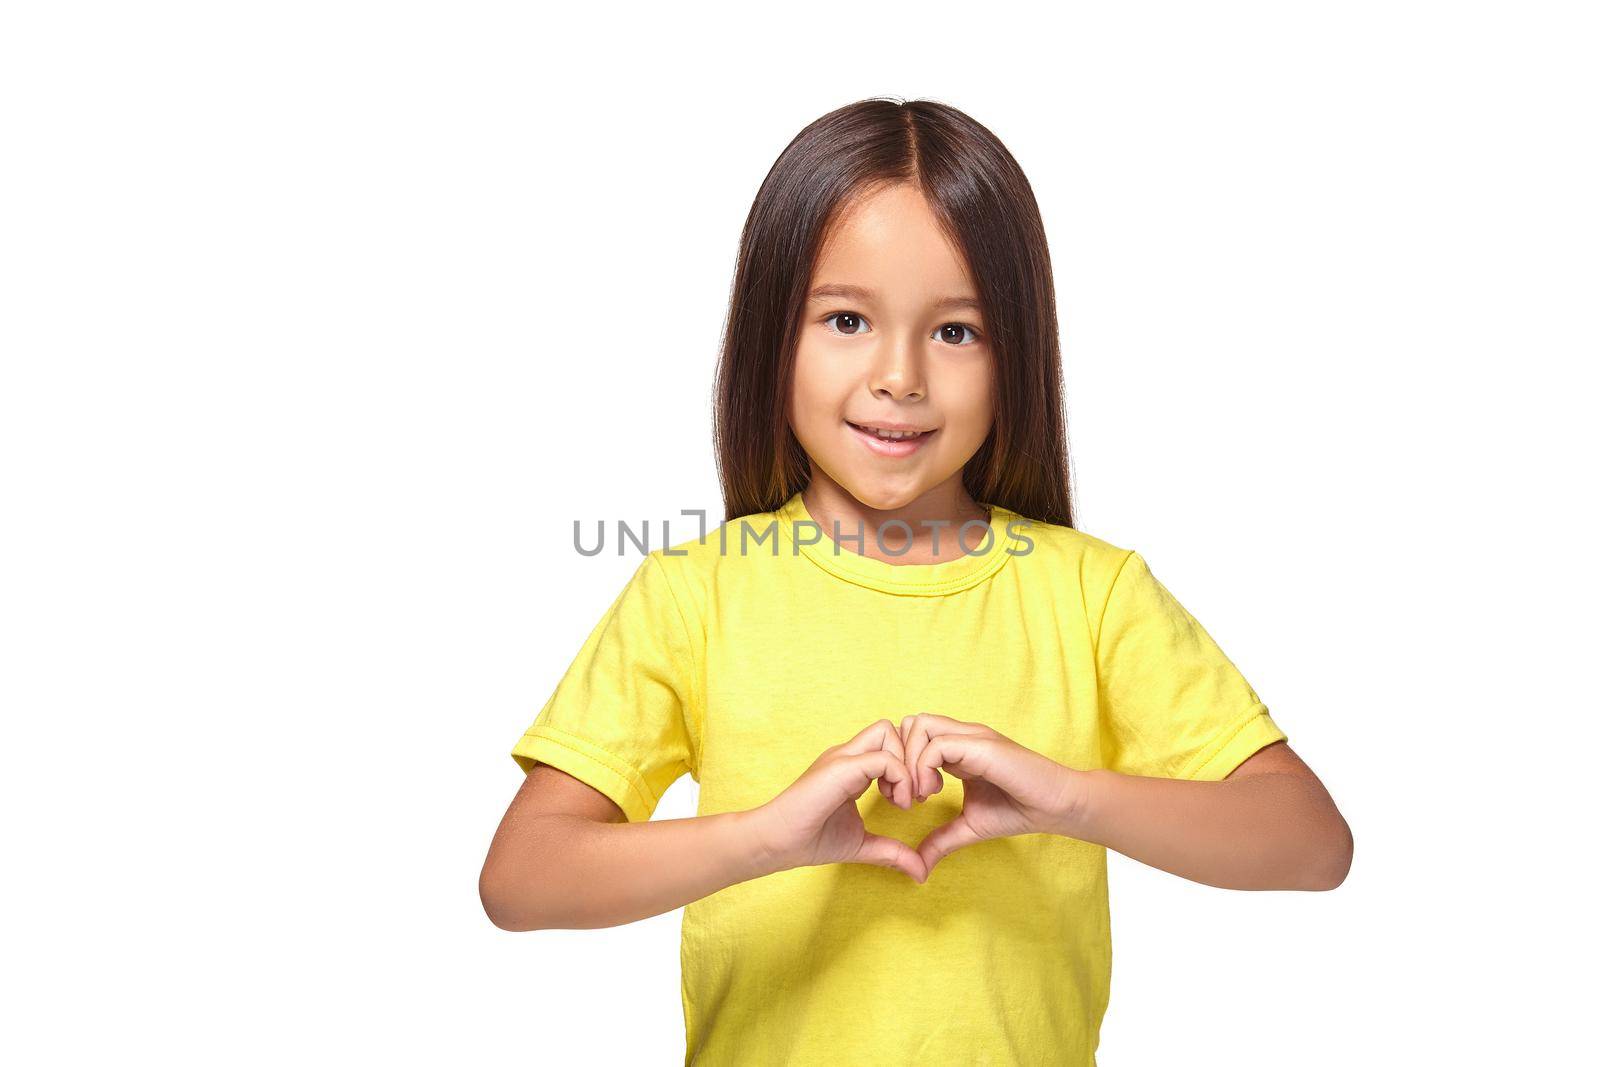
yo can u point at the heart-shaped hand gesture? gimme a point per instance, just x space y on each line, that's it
816 820
1008 788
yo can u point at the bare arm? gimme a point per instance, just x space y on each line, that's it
566 857
1268 825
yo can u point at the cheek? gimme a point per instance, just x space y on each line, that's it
971 404
816 393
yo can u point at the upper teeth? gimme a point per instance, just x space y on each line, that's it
893 434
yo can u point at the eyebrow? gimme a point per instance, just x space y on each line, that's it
855 292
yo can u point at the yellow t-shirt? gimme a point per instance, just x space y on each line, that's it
740 657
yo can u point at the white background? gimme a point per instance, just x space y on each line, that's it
322 322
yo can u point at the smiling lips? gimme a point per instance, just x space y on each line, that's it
890 446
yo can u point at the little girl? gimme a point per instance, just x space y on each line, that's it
897 594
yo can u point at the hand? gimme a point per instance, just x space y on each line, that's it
1010 789
816 820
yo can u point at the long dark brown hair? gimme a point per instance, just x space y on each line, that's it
986 206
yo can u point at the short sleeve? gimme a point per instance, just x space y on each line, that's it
622 718
1172 705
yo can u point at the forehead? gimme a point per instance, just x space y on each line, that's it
890 242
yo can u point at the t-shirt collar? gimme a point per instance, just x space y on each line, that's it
984 557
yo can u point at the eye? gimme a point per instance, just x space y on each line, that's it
856 323
957 327
853 325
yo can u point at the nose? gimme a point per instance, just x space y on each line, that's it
897 372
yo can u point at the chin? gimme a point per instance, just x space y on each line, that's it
884 498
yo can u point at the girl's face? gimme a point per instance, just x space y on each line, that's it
892 337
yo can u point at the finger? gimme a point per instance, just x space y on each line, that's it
908 741
902 794
922 728
925 728
882 735
963 755
944 724
870 737
890 852
855 773
945 839
915 735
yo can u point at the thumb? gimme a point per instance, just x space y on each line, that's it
891 852
945 839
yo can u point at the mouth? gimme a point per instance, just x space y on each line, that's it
891 443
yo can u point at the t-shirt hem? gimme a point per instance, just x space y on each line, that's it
1244 738
590 764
